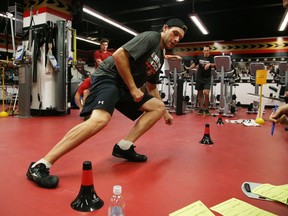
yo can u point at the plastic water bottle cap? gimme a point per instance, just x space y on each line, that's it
117 189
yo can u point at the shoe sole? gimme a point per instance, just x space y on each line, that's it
120 156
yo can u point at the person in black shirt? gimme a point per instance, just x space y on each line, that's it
204 63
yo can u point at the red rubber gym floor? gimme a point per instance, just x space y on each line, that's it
179 170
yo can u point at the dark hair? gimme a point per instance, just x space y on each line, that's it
104 40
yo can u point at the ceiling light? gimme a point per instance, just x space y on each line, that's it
92 38
108 20
194 17
6 16
89 41
284 21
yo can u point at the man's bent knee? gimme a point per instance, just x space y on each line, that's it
99 118
154 105
160 108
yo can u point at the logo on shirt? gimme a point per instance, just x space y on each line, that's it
153 64
101 102
204 62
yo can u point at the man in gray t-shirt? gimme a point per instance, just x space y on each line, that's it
116 84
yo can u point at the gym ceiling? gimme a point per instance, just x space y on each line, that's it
226 20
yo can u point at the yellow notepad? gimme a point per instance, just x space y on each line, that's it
195 209
233 207
277 193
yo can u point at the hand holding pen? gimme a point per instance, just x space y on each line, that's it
273 123
279 116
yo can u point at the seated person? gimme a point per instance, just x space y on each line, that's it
82 93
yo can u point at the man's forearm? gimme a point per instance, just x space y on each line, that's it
78 100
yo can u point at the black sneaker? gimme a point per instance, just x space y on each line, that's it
128 154
200 112
206 112
40 175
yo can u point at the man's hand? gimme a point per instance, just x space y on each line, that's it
280 116
168 118
137 94
206 67
209 65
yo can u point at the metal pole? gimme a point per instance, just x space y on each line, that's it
61 85
24 99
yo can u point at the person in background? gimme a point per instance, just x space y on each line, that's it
280 115
285 5
204 64
82 93
116 84
101 54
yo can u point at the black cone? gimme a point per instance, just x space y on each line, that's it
220 121
87 199
206 138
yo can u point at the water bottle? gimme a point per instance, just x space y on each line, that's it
117 202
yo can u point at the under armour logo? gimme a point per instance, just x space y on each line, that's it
100 102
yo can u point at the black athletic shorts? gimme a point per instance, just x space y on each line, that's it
106 94
202 83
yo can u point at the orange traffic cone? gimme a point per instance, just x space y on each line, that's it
206 138
87 199
220 121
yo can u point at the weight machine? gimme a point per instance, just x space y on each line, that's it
44 81
192 73
223 67
174 68
283 78
214 81
254 66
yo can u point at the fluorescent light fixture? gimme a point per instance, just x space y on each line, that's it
89 41
108 20
5 16
199 24
284 21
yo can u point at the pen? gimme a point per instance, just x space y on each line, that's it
273 124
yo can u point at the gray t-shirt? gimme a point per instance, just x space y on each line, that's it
145 62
